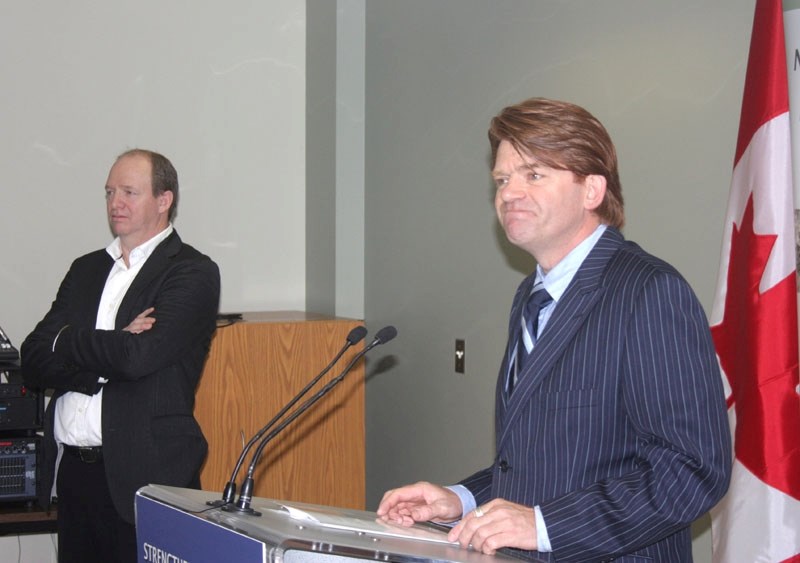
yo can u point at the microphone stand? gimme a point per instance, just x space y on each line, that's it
246 494
229 493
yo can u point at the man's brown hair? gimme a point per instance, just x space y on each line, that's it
563 136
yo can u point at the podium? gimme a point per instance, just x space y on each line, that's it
177 525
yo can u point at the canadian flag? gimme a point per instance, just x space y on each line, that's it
754 318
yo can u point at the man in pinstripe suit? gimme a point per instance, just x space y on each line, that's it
611 425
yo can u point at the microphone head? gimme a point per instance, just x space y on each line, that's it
356 335
385 334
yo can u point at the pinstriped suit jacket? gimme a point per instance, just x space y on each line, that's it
617 427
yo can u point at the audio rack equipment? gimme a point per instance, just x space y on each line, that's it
18 475
21 408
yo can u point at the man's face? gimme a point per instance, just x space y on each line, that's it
134 213
544 211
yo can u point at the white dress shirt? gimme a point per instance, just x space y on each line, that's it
77 416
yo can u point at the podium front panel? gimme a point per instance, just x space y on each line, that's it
169 534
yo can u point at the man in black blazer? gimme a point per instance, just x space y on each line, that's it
123 347
611 428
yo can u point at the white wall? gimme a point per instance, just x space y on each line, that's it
218 87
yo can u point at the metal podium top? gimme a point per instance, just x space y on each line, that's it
293 532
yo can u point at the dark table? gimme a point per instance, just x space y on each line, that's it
26 518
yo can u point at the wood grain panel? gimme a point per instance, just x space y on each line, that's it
254 368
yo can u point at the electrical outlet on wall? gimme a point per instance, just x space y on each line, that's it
459 355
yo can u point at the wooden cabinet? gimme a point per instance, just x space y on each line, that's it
254 368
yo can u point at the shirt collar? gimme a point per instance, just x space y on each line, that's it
559 277
141 252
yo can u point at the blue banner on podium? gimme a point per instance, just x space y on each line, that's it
169 535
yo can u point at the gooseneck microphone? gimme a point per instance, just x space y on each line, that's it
383 336
229 494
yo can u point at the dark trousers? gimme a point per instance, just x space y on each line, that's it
89 527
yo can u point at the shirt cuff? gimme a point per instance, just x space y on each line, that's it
467 499
542 539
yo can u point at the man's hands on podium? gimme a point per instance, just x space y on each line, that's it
420 502
496 524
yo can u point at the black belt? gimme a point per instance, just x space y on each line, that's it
88 454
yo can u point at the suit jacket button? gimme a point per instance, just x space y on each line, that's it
504 466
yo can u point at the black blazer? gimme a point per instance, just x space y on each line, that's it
617 428
150 434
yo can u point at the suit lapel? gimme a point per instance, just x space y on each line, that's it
91 289
514 330
584 292
153 267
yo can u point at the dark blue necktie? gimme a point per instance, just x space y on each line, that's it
539 298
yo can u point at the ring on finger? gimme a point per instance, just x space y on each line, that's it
478 512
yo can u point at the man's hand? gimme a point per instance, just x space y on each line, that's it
142 322
419 502
498 523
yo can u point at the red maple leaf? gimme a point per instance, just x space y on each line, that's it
757 344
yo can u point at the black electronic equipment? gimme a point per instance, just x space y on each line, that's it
8 354
18 468
21 408
21 415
